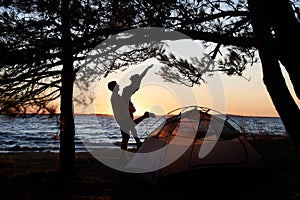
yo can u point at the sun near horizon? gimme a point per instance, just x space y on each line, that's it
243 96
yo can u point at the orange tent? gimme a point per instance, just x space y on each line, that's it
195 138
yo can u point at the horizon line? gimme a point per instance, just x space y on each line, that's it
111 115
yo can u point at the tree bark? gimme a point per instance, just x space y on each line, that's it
273 78
287 33
67 127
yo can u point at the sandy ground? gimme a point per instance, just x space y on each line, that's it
37 176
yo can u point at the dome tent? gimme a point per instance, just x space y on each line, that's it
193 138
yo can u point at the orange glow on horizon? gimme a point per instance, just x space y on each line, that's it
242 97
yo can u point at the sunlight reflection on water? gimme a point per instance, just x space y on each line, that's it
38 133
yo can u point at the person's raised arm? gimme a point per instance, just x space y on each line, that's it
145 72
135 84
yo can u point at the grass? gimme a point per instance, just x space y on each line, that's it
278 150
36 176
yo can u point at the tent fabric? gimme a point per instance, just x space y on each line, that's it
191 130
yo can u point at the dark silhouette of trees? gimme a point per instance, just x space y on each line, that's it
67 126
277 31
237 30
270 27
43 43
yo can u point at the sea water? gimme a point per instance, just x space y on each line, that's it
40 133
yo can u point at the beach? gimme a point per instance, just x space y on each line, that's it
34 175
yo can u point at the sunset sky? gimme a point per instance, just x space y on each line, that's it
241 96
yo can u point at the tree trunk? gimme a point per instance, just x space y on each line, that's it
287 32
67 127
272 76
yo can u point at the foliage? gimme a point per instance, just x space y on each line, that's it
31 47
31 39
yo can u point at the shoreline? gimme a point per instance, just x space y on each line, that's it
35 175
82 149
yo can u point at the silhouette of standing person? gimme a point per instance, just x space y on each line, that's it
123 108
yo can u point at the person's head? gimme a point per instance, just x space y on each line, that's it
111 85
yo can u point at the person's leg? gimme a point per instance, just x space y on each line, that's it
138 142
136 138
125 139
124 144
